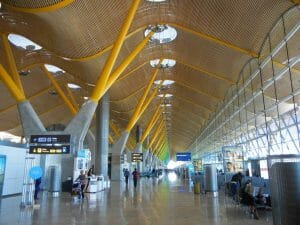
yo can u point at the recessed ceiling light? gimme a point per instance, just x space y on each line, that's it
165 82
65 58
23 42
85 98
24 72
166 105
73 86
165 95
52 92
155 0
166 63
54 69
163 33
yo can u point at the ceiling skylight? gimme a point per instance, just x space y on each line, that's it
165 95
166 63
163 33
73 86
54 69
165 82
23 42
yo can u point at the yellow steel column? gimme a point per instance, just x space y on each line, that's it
72 98
59 90
12 63
103 78
111 140
151 124
153 94
160 140
160 151
139 106
133 122
156 132
10 84
115 75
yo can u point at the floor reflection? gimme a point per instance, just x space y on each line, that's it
155 201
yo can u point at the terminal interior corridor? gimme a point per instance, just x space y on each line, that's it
154 202
93 92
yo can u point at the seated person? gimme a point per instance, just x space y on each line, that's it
229 167
260 198
248 199
237 178
235 185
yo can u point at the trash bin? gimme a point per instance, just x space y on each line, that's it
196 187
54 177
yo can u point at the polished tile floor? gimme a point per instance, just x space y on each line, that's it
154 202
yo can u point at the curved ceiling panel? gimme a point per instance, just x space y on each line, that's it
215 38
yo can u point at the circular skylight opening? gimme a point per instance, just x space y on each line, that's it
166 63
73 86
54 69
165 95
165 82
163 33
23 42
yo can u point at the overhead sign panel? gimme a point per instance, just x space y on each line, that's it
49 144
183 156
137 157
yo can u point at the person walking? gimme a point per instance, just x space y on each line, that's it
82 180
135 175
90 173
37 183
126 175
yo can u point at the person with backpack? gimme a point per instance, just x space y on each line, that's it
135 175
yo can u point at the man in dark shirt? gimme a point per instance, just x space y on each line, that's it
135 175
37 184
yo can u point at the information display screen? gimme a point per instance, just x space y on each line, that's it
137 157
183 156
49 144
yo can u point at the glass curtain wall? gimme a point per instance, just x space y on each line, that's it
261 113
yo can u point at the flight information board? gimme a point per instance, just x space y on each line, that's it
50 144
183 156
136 157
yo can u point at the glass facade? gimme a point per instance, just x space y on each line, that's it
261 112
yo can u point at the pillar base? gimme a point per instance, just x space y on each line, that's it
116 167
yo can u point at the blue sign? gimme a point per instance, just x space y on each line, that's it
183 156
83 153
36 172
